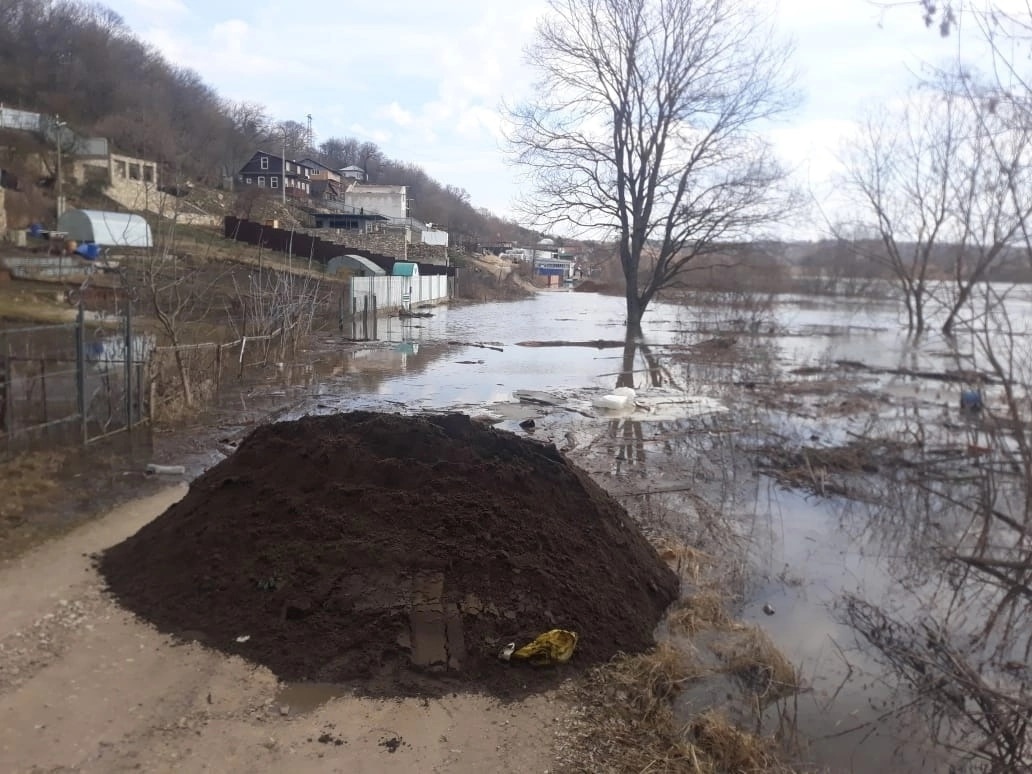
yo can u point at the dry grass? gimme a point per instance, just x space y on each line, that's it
688 562
624 721
751 657
34 308
729 749
28 480
699 611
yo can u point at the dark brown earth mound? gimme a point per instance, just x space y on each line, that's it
397 553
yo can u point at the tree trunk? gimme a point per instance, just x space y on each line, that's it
919 320
910 309
635 311
626 377
951 318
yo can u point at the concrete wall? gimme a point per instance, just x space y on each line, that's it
435 237
389 200
428 253
390 242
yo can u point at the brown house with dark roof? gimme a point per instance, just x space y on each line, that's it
327 183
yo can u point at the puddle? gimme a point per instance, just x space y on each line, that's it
303 698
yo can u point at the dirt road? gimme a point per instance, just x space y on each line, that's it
84 686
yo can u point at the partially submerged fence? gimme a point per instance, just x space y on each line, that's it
76 381
381 294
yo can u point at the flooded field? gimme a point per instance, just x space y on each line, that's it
799 447
803 373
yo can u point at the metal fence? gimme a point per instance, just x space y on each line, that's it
25 120
48 126
78 381
384 293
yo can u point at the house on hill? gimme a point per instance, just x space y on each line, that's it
352 173
326 182
266 170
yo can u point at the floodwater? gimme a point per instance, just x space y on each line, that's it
803 553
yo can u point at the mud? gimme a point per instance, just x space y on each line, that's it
397 554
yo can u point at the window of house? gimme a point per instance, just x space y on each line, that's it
134 171
265 162
148 174
261 181
249 181
120 169
273 182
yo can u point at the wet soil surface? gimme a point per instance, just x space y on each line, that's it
397 554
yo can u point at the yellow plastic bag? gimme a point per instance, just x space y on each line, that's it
553 647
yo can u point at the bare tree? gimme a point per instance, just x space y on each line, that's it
902 169
993 198
295 135
645 126
945 184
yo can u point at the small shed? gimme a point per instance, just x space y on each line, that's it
359 265
406 269
107 229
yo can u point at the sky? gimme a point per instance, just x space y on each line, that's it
425 79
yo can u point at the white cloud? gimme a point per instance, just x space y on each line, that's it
425 80
396 113
168 7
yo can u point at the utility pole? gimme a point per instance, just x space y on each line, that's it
58 125
283 171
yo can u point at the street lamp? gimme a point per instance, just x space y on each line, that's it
58 126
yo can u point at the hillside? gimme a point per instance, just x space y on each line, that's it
70 58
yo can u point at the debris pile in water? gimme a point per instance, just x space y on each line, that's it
397 553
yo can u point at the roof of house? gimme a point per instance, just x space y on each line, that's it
347 211
352 168
405 269
280 156
313 164
356 263
377 188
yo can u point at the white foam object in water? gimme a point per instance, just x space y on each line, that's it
611 402
626 391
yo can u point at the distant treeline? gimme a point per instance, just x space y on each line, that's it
81 61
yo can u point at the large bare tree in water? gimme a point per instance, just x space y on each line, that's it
646 127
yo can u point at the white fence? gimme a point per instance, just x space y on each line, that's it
397 292
29 121
26 120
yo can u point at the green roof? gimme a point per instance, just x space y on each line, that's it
405 269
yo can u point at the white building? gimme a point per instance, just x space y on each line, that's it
388 200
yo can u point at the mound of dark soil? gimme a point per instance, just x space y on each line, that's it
397 553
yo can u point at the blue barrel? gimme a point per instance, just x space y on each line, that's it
971 400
